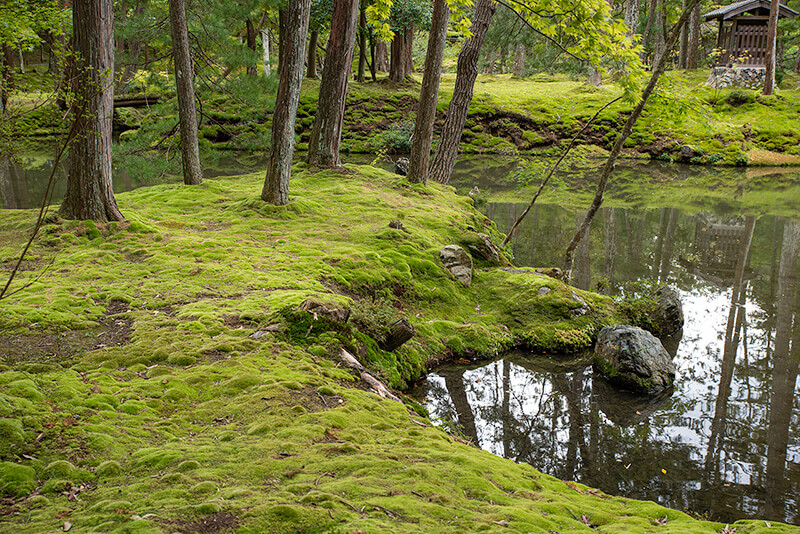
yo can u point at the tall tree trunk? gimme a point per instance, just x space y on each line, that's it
184 84
695 40
382 63
627 128
6 77
362 43
429 95
659 46
466 73
89 193
632 15
134 47
293 31
397 67
373 66
408 53
251 33
519 60
265 52
683 50
323 147
772 36
648 28
312 55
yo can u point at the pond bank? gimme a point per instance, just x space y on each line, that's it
137 396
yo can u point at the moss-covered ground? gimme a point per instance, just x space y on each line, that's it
158 375
534 115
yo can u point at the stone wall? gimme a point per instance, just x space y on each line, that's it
749 77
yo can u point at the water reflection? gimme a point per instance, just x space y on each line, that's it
728 437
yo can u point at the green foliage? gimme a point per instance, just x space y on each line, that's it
397 137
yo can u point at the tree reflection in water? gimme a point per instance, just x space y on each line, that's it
728 437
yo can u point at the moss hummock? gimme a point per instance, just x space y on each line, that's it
160 376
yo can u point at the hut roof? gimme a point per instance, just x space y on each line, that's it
737 8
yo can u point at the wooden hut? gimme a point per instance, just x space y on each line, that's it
742 36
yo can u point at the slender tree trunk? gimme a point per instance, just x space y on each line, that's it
658 69
312 55
251 33
772 35
408 53
373 66
466 73
683 50
429 95
293 31
323 147
184 84
6 77
651 17
695 42
659 46
519 60
89 193
265 52
362 43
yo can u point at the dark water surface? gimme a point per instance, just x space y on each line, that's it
726 442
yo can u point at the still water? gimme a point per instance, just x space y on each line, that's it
725 442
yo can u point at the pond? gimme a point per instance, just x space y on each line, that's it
726 441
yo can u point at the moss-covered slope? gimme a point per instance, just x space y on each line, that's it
159 377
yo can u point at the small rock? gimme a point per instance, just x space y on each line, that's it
401 166
687 153
669 311
457 262
543 291
397 225
552 272
340 315
583 310
633 358
486 249
258 334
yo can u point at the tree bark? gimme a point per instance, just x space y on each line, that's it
683 50
695 41
382 63
89 193
632 15
658 69
466 73
397 67
519 60
323 147
429 95
251 33
772 35
659 46
6 77
312 55
184 84
265 52
362 44
648 28
294 29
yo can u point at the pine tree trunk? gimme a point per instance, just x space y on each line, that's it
466 73
362 44
659 47
382 63
648 29
184 84
408 53
772 34
429 95
323 147
251 34
89 193
519 60
6 77
695 42
293 31
312 55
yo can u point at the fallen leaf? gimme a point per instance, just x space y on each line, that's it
664 471
574 486
67 526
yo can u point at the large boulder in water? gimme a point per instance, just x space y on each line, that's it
634 359
668 315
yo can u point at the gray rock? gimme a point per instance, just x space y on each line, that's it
669 311
584 308
457 262
543 291
320 311
485 249
401 166
634 359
